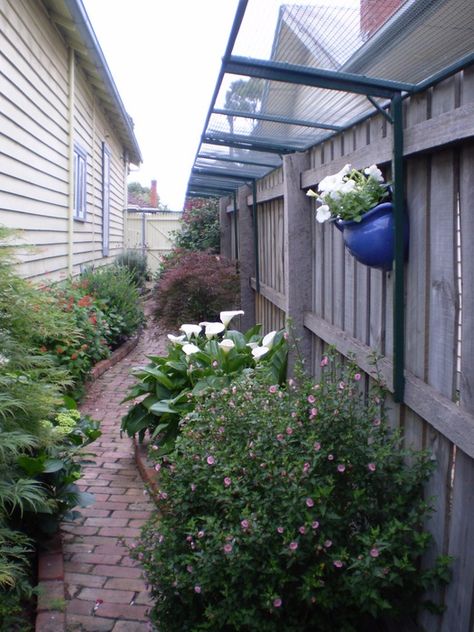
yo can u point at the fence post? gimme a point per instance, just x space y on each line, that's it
225 223
246 258
298 252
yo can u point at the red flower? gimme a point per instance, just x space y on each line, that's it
74 356
85 301
59 350
43 349
93 319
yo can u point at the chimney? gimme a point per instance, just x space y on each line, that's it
374 14
153 195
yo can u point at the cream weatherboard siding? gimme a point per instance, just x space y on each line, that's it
34 148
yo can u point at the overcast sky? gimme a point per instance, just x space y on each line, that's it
164 56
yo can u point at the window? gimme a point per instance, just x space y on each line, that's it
105 199
80 173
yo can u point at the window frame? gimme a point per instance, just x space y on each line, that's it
80 184
106 163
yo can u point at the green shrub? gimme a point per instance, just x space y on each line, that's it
135 262
205 357
287 509
119 299
194 287
199 226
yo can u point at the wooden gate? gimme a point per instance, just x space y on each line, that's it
150 232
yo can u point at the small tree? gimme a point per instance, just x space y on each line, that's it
200 226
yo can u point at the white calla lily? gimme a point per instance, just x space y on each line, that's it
252 345
226 317
191 330
267 340
226 345
176 339
258 352
190 348
212 329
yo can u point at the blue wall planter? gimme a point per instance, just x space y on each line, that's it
370 241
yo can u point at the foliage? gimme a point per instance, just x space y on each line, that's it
288 509
199 226
119 299
136 264
171 385
350 193
194 287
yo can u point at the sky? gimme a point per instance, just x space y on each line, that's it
165 57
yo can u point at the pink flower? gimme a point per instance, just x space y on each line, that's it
280 529
289 430
293 546
193 487
309 502
338 563
244 524
341 468
306 467
273 388
302 530
330 457
313 412
157 467
324 361
197 589
189 538
311 399
210 460
341 385
189 568
317 446
327 544
200 534
376 422
357 377
228 548
279 437
227 481
277 602
372 467
315 524
374 552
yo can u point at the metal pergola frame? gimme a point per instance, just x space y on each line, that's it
394 91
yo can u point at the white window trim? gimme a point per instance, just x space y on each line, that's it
106 155
80 183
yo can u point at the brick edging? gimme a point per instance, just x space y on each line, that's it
51 587
147 472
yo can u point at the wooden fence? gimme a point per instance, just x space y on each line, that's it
299 269
149 232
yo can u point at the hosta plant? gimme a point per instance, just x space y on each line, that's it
203 358
288 509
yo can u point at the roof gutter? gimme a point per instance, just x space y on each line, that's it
84 26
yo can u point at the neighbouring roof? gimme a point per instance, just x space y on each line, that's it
71 20
321 67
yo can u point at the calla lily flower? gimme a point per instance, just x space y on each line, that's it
176 339
191 330
212 329
226 317
189 348
258 352
268 340
226 345
252 345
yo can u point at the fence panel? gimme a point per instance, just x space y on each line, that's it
150 233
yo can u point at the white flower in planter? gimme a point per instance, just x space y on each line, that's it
226 345
323 213
226 317
190 348
212 329
374 172
191 330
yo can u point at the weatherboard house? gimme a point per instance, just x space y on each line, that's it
66 141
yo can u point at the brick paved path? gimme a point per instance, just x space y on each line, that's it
96 561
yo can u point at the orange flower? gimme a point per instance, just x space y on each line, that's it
43 349
59 350
85 301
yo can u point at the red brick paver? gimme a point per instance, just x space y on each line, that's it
98 570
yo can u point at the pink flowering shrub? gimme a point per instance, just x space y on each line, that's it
288 509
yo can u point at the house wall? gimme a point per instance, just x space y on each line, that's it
34 148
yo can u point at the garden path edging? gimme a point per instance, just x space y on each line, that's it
50 579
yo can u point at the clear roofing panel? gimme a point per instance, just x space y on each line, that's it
295 73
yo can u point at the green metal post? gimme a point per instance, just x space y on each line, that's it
236 229
399 219
255 235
